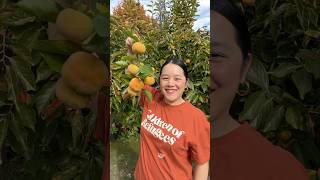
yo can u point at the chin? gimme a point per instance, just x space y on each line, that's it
171 101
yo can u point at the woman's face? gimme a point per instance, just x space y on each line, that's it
227 67
172 84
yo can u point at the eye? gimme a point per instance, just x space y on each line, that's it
177 79
164 78
217 54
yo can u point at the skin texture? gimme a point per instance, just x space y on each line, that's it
201 171
172 84
228 70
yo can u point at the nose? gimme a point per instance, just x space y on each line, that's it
170 82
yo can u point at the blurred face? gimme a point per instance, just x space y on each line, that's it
226 65
172 84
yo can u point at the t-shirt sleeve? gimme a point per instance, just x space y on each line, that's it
200 145
143 97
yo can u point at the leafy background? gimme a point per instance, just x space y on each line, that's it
283 98
41 138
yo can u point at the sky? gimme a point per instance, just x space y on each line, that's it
203 18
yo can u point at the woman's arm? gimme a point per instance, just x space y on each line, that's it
201 171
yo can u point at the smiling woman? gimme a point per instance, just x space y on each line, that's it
173 132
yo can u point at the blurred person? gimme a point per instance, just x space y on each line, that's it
239 152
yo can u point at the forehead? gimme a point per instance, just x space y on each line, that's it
172 69
223 33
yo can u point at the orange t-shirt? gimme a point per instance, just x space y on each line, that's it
170 138
244 154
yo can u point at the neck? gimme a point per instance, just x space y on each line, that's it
175 103
223 125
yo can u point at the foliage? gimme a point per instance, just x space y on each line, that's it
160 11
40 138
284 78
160 44
131 14
183 14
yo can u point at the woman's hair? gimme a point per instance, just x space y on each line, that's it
231 12
178 62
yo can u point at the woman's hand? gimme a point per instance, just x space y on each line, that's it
201 171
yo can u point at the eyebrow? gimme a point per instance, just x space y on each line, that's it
215 43
176 75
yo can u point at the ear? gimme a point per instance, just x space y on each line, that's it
186 85
245 67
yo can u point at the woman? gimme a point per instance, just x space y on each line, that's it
239 152
173 132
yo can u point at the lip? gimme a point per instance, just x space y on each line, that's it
171 91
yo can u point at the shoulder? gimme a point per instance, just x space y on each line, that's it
197 114
194 110
280 160
287 163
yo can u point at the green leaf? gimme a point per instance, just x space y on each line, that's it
25 55
130 58
258 75
121 63
284 69
262 115
43 72
49 131
148 94
134 102
20 136
146 70
13 86
3 130
43 9
44 95
27 116
288 98
67 173
76 126
24 73
2 103
190 85
101 25
313 67
190 95
129 33
22 21
313 33
115 103
56 46
303 81
54 61
97 44
253 105
274 119
294 118
308 55
311 151
27 36
298 152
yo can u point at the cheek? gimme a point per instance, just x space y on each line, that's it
226 74
183 84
